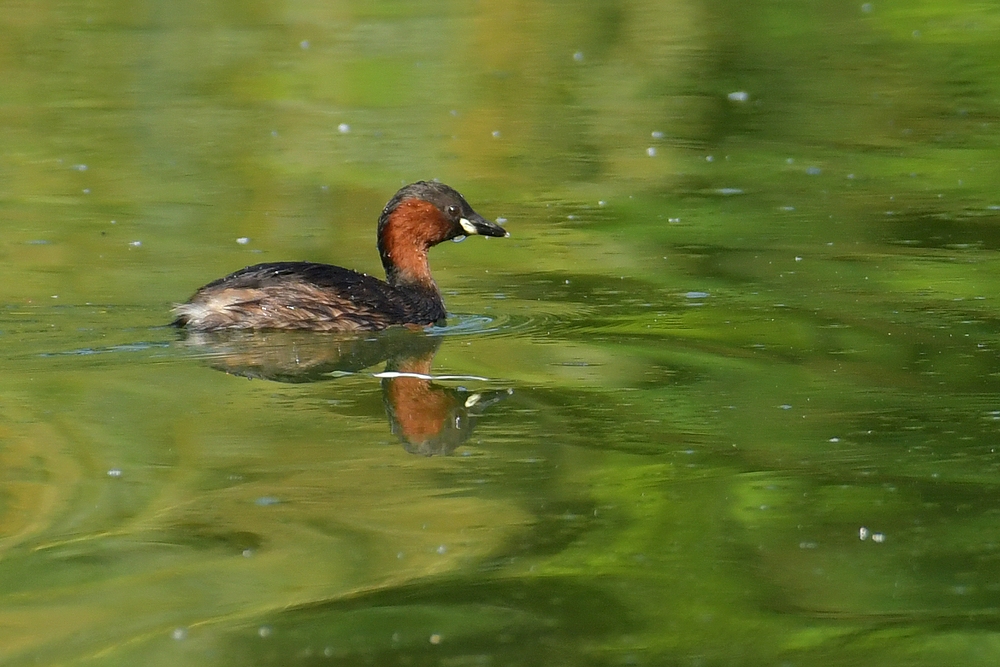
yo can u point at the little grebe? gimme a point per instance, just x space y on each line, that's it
321 297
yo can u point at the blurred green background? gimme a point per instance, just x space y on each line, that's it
748 314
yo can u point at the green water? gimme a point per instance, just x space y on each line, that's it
727 396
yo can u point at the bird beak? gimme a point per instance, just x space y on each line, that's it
477 224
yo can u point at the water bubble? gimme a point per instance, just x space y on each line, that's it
657 134
738 96
343 128
651 151
115 472
243 240
578 56
304 44
179 634
496 134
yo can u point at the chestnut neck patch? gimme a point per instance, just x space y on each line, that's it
409 232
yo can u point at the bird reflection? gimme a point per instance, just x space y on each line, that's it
429 419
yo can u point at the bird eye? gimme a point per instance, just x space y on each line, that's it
452 210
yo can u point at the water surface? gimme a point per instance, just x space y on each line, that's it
728 394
